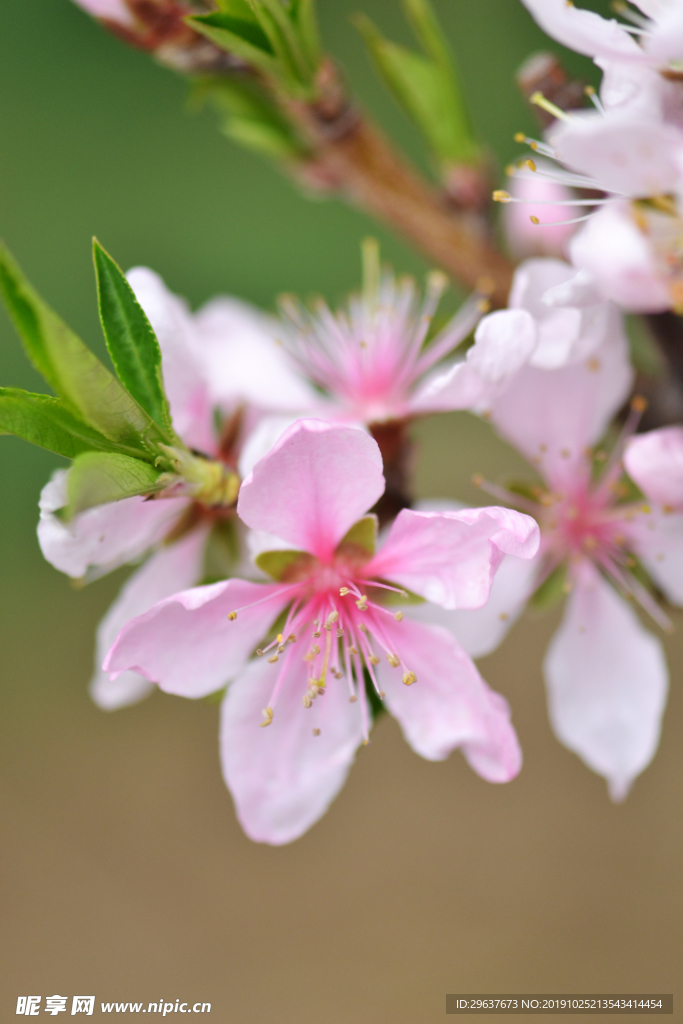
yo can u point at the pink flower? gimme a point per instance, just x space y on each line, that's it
605 673
370 359
655 461
335 605
543 199
222 360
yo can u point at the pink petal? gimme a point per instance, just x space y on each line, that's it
450 705
665 42
655 461
187 644
317 481
657 539
541 198
246 361
565 335
456 387
450 558
105 537
583 30
173 567
481 630
283 778
621 260
632 155
184 370
504 342
607 683
552 416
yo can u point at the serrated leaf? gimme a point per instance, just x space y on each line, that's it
362 537
282 564
48 423
98 479
87 388
131 340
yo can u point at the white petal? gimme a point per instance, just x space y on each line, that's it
283 777
657 539
105 537
503 343
172 568
583 30
607 683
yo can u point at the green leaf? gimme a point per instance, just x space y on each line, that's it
552 590
361 538
426 86
48 423
282 564
251 118
131 341
88 389
98 479
240 34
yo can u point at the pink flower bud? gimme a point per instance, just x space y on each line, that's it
541 199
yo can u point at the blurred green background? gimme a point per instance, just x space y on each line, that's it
125 873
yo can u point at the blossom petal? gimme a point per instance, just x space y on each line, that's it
624 153
450 705
607 683
109 10
185 375
583 30
655 461
316 482
657 539
245 362
552 416
101 538
479 631
187 644
543 199
457 386
450 558
503 343
665 40
283 777
618 256
172 568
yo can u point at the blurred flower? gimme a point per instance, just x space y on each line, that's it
543 199
369 359
116 11
222 370
328 635
606 675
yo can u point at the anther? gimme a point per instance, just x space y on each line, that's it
316 732
362 627
503 616
477 480
331 619
398 616
353 699
279 638
315 649
307 700
638 403
268 716
259 653
381 694
501 196
343 591
409 678
373 659
317 634
340 633
271 661
484 306
520 137
393 660
232 616
530 164
534 220
353 650
362 603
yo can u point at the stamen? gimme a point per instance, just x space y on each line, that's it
362 604
539 100
232 616
409 678
559 223
393 660
398 616
619 7
316 732
595 99
268 716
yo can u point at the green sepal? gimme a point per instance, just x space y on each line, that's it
552 590
277 564
426 85
98 479
131 340
48 423
362 537
86 387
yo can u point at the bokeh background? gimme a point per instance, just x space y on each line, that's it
125 873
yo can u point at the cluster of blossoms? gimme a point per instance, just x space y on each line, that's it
280 562
620 163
